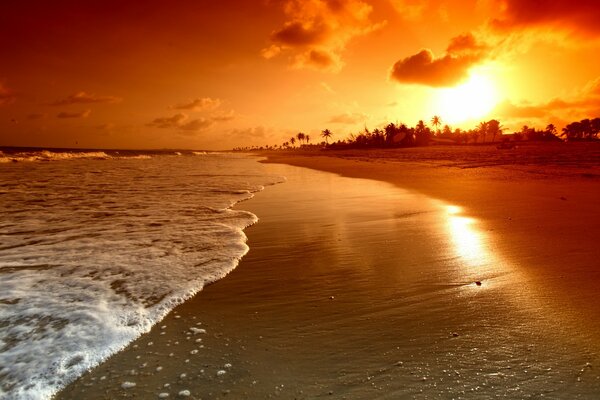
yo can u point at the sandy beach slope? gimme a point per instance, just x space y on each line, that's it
460 273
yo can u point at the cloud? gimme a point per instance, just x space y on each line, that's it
258 132
66 115
85 98
169 122
584 104
199 104
182 122
196 125
6 95
318 59
581 15
348 118
409 9
317 31
298 33
423 68
224 117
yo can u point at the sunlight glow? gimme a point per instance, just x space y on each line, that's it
466 238
470 101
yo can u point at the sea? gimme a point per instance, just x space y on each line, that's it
96 247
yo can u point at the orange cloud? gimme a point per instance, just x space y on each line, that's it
423 68
67 115
348 118
182 122
317 31
196 125
228 116
86 98
203 104
582 15
584 104
258 132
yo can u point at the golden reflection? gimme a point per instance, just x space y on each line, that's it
467 240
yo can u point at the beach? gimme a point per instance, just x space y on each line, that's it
446 272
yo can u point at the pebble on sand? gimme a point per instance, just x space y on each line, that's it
163 395
128 385
184 393
221 372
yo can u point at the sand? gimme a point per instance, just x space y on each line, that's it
341 296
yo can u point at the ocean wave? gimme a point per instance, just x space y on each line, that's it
89 261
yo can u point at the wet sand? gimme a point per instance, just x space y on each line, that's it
360 289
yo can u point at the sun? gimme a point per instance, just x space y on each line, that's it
470 101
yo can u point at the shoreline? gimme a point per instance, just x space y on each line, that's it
263 321
538 199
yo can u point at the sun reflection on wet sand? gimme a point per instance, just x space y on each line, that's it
467 239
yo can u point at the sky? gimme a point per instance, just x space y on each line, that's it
208 74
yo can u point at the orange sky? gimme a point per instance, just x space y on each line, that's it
220 74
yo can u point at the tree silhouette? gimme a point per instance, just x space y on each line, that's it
551 129
307 138
436 121
300 136
326 134
483 128
493 127
292 141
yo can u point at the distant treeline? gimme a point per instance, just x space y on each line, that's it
401 135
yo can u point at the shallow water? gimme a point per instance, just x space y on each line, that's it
95 248
357 289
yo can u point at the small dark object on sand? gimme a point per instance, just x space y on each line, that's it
478 283
454 334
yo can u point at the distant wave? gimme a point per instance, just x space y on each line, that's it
47 155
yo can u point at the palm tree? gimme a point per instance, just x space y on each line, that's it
551 129
307 138
292 141
436 121
483 128
300 137
326 134
493 127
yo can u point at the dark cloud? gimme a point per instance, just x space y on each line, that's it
463 52
86 98
183 123
316 31
318 59
82 114
465 44
348 118
299 34
424 69
582 15
199 104
169 122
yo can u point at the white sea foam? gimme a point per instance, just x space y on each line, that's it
47 155
93 254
